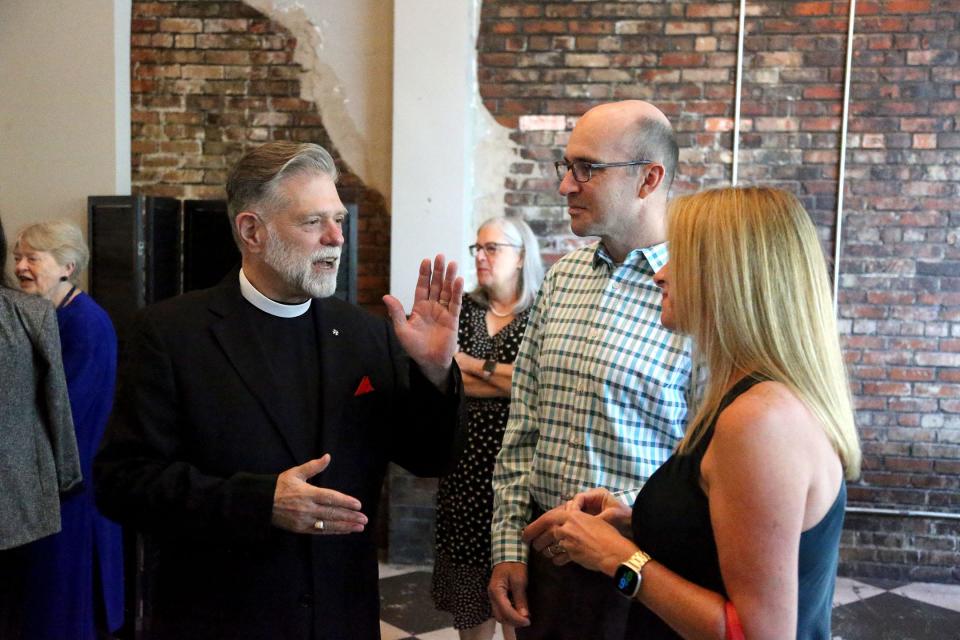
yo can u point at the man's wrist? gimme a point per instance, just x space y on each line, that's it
438 376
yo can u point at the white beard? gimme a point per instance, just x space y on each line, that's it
297 269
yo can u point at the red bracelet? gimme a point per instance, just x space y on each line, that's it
734 628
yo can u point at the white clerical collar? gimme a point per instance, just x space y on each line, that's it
265 304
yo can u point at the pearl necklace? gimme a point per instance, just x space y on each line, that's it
498 314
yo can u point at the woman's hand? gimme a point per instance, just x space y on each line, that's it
468 364
602 503
564 535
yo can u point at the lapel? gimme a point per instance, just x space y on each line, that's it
245 352
335 334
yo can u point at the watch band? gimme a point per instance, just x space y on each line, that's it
489 365
629 574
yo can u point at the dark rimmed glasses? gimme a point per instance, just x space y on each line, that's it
583 170
489 248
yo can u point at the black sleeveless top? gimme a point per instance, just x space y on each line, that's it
671 522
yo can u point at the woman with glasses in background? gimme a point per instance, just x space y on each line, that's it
492 322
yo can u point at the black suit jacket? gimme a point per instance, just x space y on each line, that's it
200 435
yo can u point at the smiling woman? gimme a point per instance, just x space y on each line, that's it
85 558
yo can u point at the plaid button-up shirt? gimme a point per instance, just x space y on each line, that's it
599 394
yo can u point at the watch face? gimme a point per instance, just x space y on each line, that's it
627 580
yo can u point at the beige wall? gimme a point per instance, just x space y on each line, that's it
64 107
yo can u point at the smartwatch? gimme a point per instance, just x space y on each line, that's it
488 367
628 575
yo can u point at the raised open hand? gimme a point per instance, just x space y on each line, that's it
429 335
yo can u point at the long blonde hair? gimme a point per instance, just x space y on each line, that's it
750 286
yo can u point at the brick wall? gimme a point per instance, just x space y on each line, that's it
209 81
900 284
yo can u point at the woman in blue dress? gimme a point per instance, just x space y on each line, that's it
74 578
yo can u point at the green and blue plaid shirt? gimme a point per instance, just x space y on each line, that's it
599 394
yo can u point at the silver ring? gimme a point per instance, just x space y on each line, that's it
318 525
557 548
445 303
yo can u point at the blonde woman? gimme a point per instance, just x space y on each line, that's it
744 520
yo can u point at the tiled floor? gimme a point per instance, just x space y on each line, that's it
863 609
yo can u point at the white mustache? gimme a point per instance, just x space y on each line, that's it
325 254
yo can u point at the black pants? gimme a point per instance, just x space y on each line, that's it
572 603
12 567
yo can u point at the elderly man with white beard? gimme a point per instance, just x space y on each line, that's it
258 417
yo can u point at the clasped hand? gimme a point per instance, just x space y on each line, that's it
586 530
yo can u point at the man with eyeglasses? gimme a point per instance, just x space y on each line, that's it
599 386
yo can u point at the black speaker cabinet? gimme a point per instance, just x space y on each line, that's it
209 252
134 253
347 274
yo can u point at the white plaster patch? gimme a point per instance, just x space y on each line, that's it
543 123
347 73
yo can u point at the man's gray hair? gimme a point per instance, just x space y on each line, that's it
656 141
253 183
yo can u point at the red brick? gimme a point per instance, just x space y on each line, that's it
823 92
715 10
682 59
907 6
141 9
545 26
181 25
811 8
686 28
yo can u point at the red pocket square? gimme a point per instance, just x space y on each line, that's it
363 387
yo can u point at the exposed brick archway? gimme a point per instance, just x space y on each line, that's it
208 81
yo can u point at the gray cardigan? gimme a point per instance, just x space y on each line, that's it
38 447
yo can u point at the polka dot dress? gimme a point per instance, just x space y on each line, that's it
465 497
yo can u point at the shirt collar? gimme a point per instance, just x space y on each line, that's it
265 304
655 256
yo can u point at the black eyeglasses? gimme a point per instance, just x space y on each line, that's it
583 170
489 248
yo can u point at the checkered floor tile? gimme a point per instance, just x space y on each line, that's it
862 609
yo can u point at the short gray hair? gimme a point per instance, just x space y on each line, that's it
254 181
61 239
531 272
655 140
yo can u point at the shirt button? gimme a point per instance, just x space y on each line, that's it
306 600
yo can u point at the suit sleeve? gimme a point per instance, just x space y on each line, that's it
433 435
142 477
60 430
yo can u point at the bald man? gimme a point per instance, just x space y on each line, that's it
599 386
